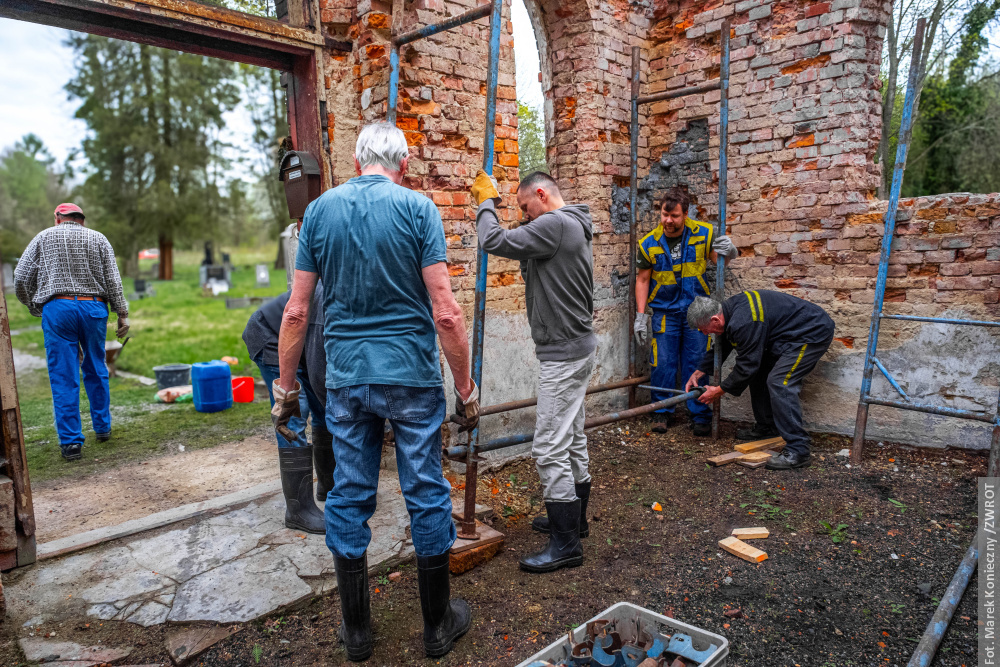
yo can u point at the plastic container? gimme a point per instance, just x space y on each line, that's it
212 385
243 389
623 611
172 375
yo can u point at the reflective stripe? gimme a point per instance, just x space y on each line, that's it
652 348
704 285
796 364
664 277
663 324
760 306
753 309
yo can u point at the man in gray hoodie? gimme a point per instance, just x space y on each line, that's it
553 245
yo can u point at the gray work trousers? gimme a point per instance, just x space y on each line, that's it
560 445
774 392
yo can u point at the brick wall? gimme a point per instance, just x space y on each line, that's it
804 128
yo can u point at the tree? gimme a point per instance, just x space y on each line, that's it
30 189
530 140
265 100
153 150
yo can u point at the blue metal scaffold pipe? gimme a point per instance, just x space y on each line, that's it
720 278
468 524
905 131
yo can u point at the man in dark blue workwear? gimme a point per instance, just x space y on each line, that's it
778 339
296 457
670 272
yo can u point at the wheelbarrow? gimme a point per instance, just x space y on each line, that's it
112 349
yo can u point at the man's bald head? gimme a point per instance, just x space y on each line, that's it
538 193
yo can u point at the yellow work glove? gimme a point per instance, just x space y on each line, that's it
484 187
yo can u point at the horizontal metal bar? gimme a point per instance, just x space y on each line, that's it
940 320
482 11
933 409
520 439
663 389
528 402
680 92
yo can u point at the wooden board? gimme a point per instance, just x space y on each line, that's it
486 536
758 445
752 464
731 457
751 533
742 550
756 457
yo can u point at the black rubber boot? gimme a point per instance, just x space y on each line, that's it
701 430
787 460
301 512
757 432
355 606
564 548
323 462
445 620
541 523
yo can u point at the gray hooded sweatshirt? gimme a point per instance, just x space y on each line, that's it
557 264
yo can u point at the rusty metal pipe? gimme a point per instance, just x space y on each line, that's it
680 92
482 11
528 402
511 440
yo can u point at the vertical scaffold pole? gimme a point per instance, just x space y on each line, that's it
720 273
633 184
905 131
468 526
390 114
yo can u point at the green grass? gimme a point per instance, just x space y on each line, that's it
178 325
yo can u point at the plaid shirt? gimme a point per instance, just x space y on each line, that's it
68 259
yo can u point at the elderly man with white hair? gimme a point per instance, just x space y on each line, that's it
379 249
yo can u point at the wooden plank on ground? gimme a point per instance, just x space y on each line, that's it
752 464
758 445
730 457
487 535
756 457
742 550
751 533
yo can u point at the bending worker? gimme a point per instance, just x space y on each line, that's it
554 247
68 276
670 272
296 457
778 340
380 251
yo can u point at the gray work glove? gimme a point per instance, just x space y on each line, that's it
724 247
467 410
123 326
641 329
286 406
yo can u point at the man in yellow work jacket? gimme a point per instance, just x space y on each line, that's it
670 272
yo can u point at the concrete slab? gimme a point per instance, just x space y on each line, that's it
225 567
37 649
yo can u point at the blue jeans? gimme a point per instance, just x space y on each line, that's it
69 325
356 416
308 403
676 345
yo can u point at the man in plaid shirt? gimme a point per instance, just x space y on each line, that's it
68 277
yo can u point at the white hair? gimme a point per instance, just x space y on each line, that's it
381 144
701 310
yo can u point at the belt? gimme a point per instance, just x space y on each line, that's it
78 298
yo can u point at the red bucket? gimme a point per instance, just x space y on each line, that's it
243 389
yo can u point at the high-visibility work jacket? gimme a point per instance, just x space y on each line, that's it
674 285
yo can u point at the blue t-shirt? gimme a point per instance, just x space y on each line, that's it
369 239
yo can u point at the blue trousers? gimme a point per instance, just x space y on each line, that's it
356 416
309 402
69 325
676 346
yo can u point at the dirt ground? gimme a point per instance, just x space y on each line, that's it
71 505
857 561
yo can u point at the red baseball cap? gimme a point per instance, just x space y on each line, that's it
68 209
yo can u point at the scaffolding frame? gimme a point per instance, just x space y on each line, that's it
722 85
872 361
